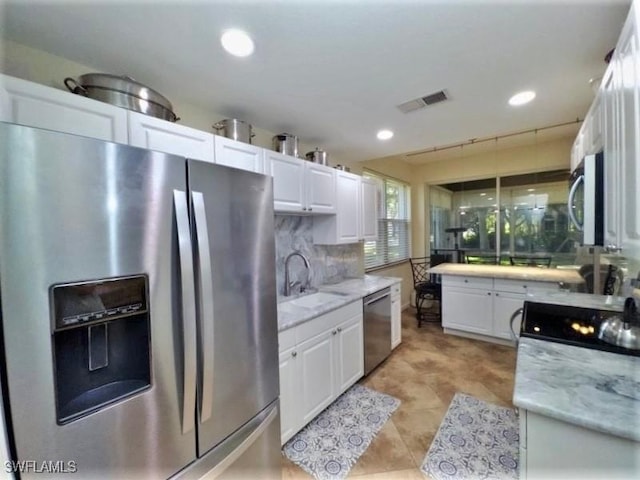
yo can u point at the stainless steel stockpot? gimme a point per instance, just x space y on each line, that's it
318 156
122 91
234 129
286 143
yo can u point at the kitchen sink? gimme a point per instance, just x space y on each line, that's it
314 300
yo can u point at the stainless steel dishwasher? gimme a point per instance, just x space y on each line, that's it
377 328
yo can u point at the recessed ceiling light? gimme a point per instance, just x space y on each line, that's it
384 134
237 43
531 189
522 97
482 194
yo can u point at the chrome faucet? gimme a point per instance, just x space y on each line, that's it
287 284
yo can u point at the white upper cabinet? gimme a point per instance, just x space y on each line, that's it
300 186
320 188
612 156
345 226
288 182
369 202
239 155
157 134
35 105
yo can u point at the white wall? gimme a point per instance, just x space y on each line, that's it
41 67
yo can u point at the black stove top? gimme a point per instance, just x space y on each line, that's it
569 325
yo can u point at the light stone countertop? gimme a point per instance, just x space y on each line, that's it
350 290
509 272
574 299
590 388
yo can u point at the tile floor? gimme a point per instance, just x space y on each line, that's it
424 372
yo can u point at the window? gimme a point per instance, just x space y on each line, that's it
530 218
394 224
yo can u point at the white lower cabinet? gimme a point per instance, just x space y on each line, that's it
484 306
551 448
157 134
317 380
396 316
467 309
319 360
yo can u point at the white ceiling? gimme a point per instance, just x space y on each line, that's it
332 72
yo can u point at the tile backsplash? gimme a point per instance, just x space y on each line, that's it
329 263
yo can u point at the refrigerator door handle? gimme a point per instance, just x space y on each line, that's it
188 310
206 305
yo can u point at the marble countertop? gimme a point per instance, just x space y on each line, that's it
350 290
590 388
574 299
509 272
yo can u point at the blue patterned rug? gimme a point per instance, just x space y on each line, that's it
476 440
331 443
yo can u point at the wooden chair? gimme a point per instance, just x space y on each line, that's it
531 261
427 287
482 259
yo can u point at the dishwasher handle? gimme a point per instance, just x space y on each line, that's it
368 300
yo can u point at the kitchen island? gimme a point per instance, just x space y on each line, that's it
478 301
579 411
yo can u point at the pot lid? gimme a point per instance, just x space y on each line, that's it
123 84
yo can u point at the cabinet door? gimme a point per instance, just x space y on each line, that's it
349 353
630 164
317 374
35 105
348 214
288 182
369 203
320 186
163 136
396 321
504 306
612 156
469 310
239 154
289 394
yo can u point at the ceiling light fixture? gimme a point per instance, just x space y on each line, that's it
384 134
521 98
237 43
483 194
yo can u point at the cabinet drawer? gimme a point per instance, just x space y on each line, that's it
467 281
523 286
327 321
286 339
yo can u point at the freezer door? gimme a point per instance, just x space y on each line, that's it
232 224
74 209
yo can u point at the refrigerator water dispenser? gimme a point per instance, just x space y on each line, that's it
101 344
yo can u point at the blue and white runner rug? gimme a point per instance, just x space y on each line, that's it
476 440
331 443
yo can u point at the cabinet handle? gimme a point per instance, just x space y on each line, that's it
310 209
335 332
524 286
339 329
489 293
304 209
466 281
294 354
497 294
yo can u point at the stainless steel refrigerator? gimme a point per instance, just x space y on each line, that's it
138 312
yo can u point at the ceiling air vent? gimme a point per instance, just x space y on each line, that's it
422 102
